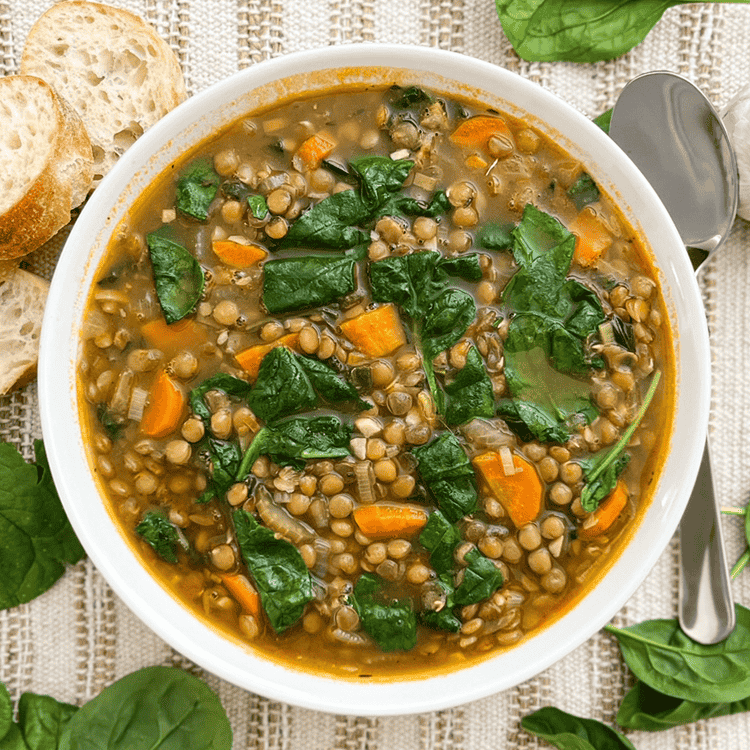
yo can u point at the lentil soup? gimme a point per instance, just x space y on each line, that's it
375 380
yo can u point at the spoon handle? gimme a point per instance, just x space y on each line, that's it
706 609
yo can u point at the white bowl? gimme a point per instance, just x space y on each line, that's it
198 118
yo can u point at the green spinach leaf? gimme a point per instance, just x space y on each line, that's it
307 281
224 458
480 581
392 624
277 567
495 236
604 119
329 385
42 720
258 206
583 191
223 382
440 538
568 732
445 618
449 476
6 711
178 277
584 32
155 707
297 440
662 656
109 421
196 189
471 394
160 534
38 540
648 710
411 96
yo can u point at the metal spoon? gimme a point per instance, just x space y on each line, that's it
675 137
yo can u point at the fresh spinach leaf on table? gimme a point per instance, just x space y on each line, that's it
161 535
568 732
196 189
481 578
155 708
391 623
178 277
307 281
38 540
585 31
448 475
648 710
297 440
470 394
42 720
280 574
661 655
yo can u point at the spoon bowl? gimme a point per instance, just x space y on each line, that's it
675 137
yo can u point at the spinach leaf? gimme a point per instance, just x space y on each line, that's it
392 624
295 441
38 540
258 206
282 387
289 383
178 277
6 711
481 579
447 472
14 740
464 267
162 535
588 31
42 720
445 321
223 382
196 188
445 618
568 732
663 657
602 470
411 96
411 281
583 191
494 236
470 394
224 459
603 120
108 421
155 707
649 710
277 567
440 538
307 281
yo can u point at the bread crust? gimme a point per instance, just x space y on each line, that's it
111 65
61 183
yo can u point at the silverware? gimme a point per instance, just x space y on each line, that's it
675 137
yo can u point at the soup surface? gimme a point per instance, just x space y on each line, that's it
377 381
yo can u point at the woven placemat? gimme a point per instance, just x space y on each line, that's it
79 637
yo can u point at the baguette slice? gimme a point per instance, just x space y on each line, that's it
45 164
112 66
22 299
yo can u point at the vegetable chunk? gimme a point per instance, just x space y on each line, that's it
376 332
165 408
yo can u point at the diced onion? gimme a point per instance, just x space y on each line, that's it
400 154
365 481
506 456
607 332
137 403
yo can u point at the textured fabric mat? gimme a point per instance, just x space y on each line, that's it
79 637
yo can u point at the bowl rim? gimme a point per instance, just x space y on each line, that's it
211 649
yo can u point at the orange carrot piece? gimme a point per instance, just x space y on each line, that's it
477 131
377 332
236 254
311 153
249 359
382 521
592 238
519 493
244 592
171 338
607 512
165 407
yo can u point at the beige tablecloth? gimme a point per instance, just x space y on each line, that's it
78 637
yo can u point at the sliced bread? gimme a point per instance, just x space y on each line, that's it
22 298
45 164
112 66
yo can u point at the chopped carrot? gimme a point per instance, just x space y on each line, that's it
249 359
165 407
477 131
382 521
244 592
311 153
171 338
476 162
236 254
592 238
520 492
377 332
607 512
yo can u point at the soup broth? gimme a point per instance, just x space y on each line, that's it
377 382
